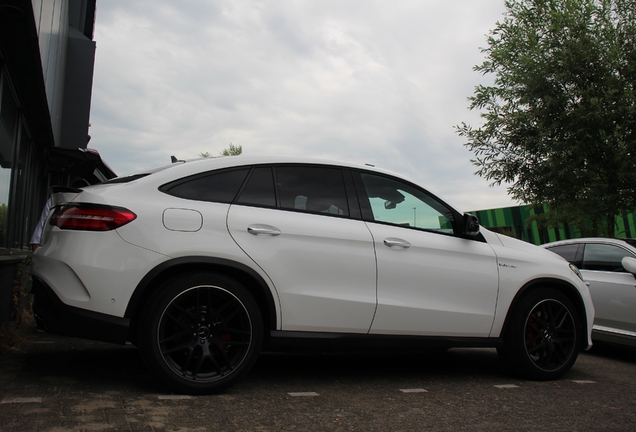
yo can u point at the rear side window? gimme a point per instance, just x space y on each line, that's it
312 189
220 187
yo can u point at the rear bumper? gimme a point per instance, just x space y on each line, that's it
57 317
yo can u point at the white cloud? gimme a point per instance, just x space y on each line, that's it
369 81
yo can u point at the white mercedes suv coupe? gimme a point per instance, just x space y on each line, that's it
204 264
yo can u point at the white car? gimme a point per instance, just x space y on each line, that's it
609 266
203 264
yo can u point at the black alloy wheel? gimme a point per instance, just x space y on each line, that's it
202 333
550 335
542 341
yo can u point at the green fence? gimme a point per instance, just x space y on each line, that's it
513 221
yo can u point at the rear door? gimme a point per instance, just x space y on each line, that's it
298 223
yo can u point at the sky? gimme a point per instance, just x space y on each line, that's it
382 82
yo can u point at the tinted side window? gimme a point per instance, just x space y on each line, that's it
259 189
313 189
604 257
399 203
569 252
219 187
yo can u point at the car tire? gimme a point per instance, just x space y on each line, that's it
542 338
200 333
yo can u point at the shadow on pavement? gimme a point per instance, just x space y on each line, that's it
81 365
614 352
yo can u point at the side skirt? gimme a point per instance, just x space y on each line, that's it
615 336
284 340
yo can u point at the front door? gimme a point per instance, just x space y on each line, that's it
430 280
612 288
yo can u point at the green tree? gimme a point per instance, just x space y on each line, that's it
232 150
559 121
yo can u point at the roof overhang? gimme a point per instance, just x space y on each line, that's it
19 48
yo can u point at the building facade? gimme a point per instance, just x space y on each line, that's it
47 55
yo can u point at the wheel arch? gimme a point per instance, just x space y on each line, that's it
562 286
167 270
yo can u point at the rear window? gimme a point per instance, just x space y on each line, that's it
136 176
217 186
127 179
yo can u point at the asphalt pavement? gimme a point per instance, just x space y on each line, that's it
53 383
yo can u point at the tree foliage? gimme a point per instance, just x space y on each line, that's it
560 119
232 150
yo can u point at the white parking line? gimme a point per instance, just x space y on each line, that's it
414 390
303 394
173 397
506 386
584 382
20 400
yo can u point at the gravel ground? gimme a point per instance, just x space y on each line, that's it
52 383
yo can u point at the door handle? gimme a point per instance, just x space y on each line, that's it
396 242
257 229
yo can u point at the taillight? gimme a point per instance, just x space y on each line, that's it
91 217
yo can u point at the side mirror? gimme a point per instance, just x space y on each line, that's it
471 225
629 264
